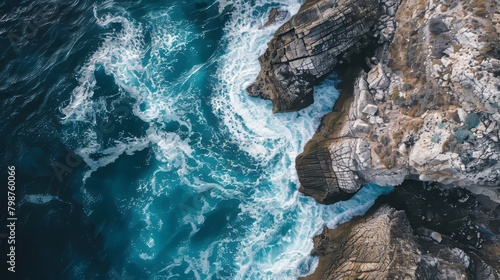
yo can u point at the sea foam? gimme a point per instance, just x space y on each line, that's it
221 199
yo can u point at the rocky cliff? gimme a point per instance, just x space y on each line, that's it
428 108
420 100
295 58
445 234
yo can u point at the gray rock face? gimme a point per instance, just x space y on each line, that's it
429 108
275 15
307 47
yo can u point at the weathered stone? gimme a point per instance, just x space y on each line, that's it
406 115
317 173
453 127
370 109
377 78
436 236
306 48
360 126
276 15
379 246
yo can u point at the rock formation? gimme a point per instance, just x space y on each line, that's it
424 105
430 241
295 59
275 15
380 246
429 108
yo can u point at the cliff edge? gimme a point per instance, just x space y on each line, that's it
422 102
428 108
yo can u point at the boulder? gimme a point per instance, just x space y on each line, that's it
378 246
307 48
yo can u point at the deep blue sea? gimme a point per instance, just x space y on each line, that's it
139 154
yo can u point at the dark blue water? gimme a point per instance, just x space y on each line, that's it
138 152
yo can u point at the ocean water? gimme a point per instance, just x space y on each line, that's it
139 154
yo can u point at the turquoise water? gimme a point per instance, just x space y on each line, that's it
184 175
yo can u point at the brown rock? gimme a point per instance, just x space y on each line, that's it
378 246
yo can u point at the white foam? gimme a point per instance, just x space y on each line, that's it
171 149
267 138
108 155
275 141
277 244
121 56
272 140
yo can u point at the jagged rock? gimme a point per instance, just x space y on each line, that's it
359 126
306 48
431 103
425 239
436 236
443 264
377 78
453 217
370 109
378 246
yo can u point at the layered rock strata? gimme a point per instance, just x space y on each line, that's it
379 246
308 46
445 234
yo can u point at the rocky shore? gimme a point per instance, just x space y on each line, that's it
419 231
420 100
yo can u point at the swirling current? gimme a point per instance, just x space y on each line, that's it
139 154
